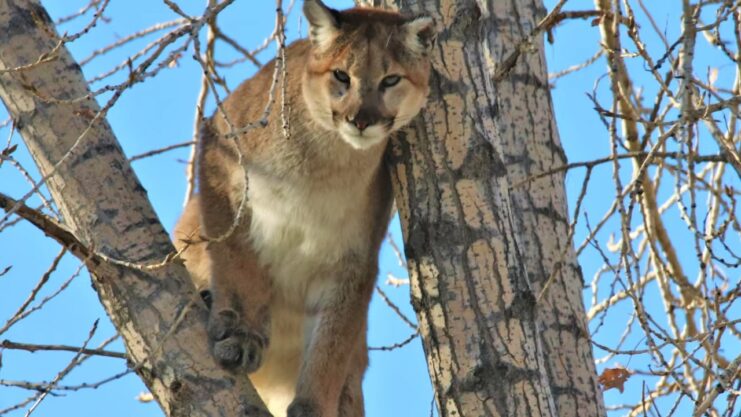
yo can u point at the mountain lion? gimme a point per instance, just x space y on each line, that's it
292 213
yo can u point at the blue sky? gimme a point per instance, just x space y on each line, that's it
160 112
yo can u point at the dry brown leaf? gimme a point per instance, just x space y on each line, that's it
9 150
614 378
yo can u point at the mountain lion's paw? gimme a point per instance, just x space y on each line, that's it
233 344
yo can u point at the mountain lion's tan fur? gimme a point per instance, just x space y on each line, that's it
290 285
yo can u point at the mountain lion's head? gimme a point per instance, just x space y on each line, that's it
368 71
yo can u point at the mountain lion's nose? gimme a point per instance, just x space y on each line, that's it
363 119
359 123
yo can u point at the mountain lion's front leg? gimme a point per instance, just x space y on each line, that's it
351 398
238 325
332 352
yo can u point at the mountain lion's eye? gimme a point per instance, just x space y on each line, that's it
341 76
390 81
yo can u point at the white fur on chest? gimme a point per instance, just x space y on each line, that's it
301 230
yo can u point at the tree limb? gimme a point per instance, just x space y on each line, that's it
156 311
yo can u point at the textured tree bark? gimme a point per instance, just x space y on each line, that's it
102 203
480 253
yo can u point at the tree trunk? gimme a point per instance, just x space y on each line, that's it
104 206
481 252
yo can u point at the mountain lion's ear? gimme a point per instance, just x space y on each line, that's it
323 21
419 34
